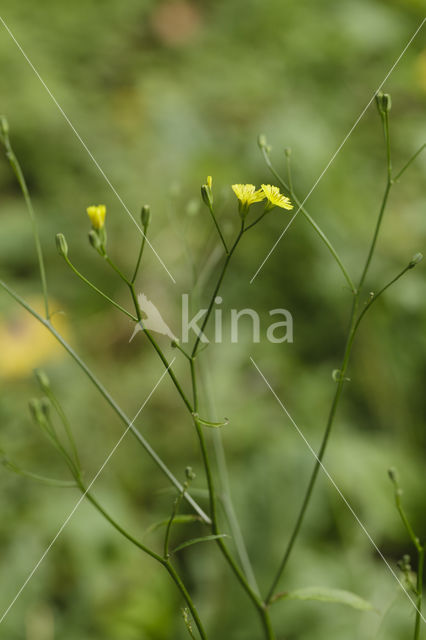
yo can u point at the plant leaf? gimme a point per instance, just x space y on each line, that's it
325 594
182 519
207 423
188 543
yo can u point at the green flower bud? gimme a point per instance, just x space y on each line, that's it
383 102
4 126
45 406
287 152
42 379
392 475
146 215
95 240
261 141
418 257
207 194
61 245
189 474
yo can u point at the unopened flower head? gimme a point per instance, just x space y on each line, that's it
247 195
97 214
209 182
275 197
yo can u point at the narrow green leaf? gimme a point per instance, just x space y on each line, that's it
325 594
188 543
207 423
182 519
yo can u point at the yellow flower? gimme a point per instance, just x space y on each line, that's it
209 182
97 216
247 195
275 198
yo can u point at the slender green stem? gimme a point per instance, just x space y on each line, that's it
56 404
375 235
23 185
123 417
405 167
353 326
159 350
420 569
311 221
420 548
165 563
256 221
138 261
216 290
256 600
210 207
95 288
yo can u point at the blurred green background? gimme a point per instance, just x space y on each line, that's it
164 93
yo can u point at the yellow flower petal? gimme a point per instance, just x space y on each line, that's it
247 194
97 215
275 197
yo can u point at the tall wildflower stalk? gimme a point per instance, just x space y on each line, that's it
47 412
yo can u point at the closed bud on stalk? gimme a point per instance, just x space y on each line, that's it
4 126
94 240
61 245
45 406
189 474
418 257
146 215
261 141
42 379
206 192
383 102
392 475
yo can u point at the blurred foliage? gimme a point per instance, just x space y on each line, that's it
164 93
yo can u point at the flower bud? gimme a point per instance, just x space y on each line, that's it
261 141
45 406
95 240
146 215
418 257
42 379
392 475
206 193
61 245
287 152
383 102
4 126
189 474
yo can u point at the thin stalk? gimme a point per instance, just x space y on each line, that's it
420 568
123 417
159 350
169 568
138 261
311 221
210 207
226 496
256 600
405 167
353 326
95 288
216 290
23 185
56 404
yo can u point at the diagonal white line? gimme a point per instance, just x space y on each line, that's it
80 500
336 153
299 431
80 139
